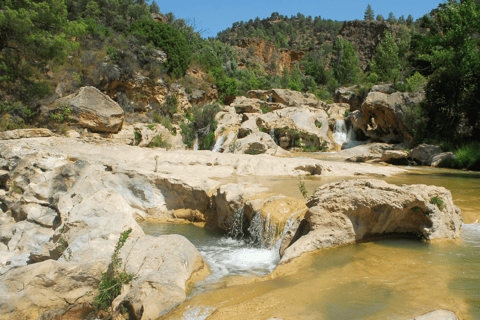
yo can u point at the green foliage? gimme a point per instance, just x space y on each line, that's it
61 115
467 156
438 202
301 187
137 139
318 124
158 142
200 120
453 90
369 16
347 112
111 282
346 65
172 103
416 210
14 115
386 62
415 82
313 66
168 39
414 119
265 108
31 34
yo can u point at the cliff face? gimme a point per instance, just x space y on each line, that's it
365 36
267 54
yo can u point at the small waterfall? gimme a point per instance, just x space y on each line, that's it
340 133
272 133
195 146
219 143
236 230
262 231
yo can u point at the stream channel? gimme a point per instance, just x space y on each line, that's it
382 279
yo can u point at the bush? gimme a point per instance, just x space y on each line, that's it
202 121
111 283
415 82
158 142
168 39
438 202
467 157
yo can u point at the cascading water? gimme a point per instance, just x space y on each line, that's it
272 133
219 143
195 145
345 136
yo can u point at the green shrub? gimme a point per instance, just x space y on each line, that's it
168 39
415 82
438 202
158 142
112 280
301 187
265 108
467 157
138 138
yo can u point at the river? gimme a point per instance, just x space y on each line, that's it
383 279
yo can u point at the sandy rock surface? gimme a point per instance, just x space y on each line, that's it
354 210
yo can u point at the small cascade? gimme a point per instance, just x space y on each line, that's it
195 145
219 143
236 230
272 133
340 133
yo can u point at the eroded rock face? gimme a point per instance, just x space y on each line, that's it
374 152
348 211
381 116
349 96
25 133
91 109
162 266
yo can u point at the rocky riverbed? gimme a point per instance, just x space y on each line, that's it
65 202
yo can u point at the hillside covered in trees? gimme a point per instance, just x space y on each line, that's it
51 48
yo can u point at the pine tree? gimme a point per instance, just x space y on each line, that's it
380 18
369 16
409 20
391 18
154 7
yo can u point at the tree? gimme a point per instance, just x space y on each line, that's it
453 90
154 7
32 33
346 68
401 20
380 18
409 20
166 38
369 16
391 18
386 63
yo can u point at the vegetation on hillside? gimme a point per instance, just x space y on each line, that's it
78 43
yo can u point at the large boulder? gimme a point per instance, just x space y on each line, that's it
161 267
357 210
90 108
374 152
381 116
437 315
50 289
425 153
286 97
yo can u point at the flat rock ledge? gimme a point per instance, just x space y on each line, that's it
355 210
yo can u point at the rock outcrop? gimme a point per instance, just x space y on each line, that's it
425 153
381 116
348 211
90 108
374 152
437 315
25 133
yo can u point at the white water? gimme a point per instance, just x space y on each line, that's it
195 145
345 137
218 144
272 133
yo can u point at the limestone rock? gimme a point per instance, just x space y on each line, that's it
161 267
374 152
442 156
25 133
149 132
381 116
91 109
437 315
246 105
337 110
348 211
48 289
425 153
348 95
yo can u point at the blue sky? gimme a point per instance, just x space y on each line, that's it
213 16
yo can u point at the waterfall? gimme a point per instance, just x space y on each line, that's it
236 230
219 143
340 133
272 133
195 146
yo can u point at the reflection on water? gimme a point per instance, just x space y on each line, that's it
383 279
